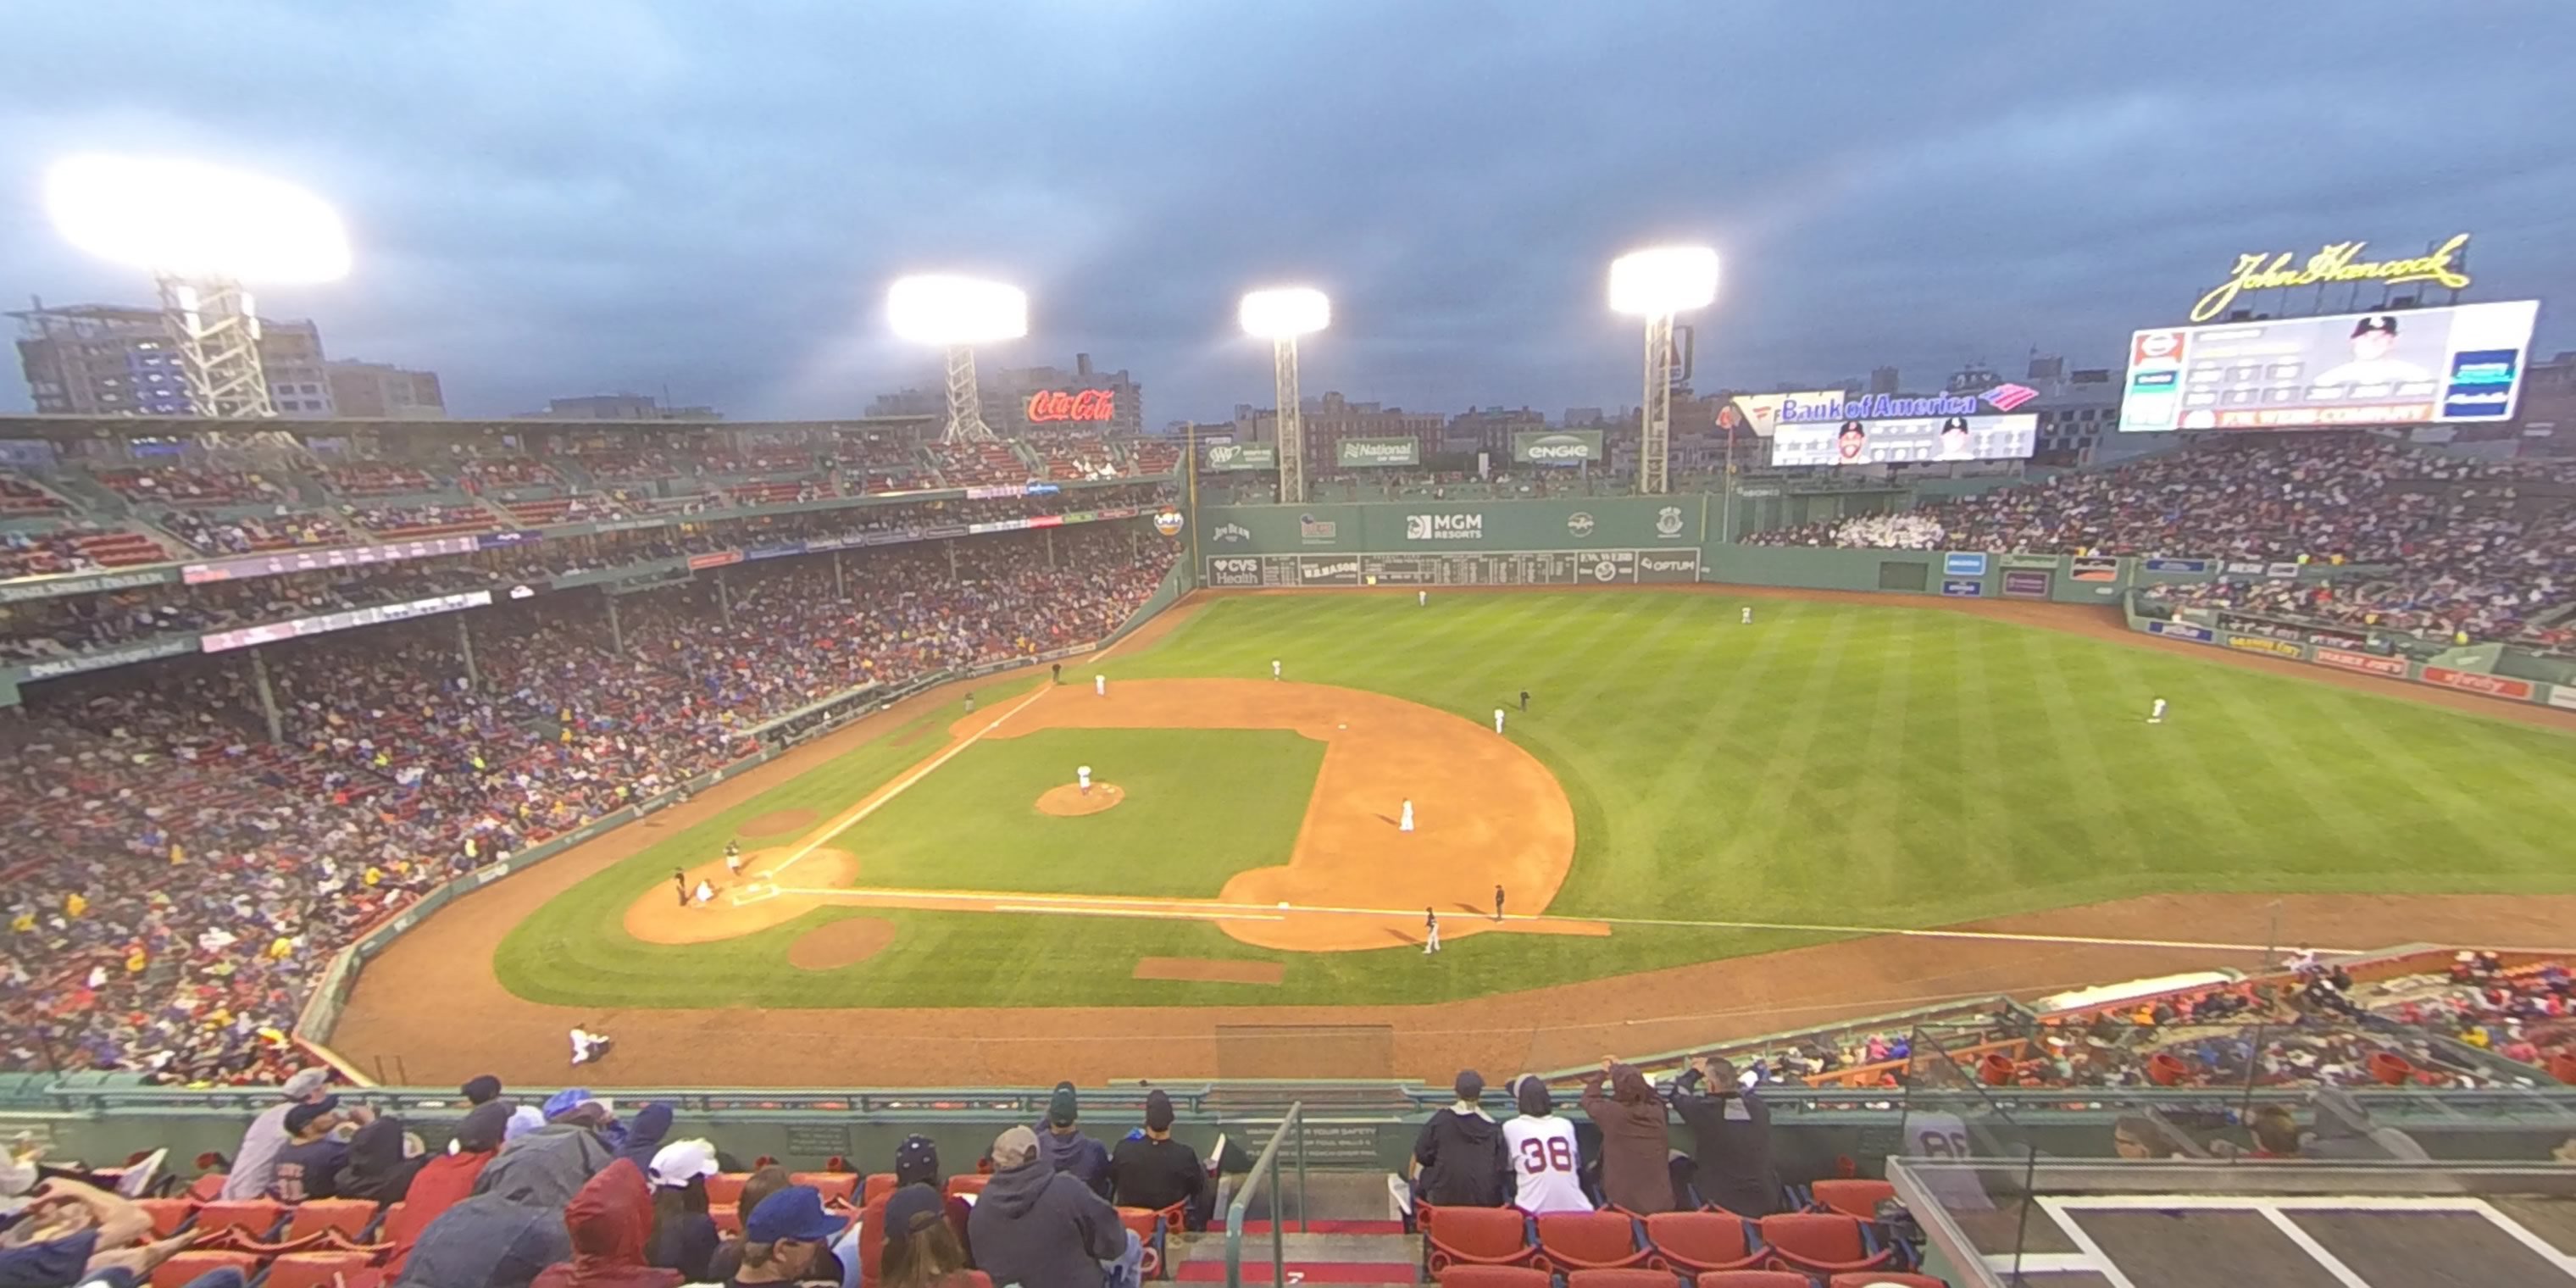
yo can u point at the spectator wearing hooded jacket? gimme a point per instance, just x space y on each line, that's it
446 1180
379 1167
1458 1156
1545 1157
1635 1173
1035 1225
606 1224
1067 1149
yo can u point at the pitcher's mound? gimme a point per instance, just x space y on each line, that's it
1070 801
843 943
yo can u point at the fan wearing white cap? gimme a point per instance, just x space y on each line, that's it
255 1163
684 1236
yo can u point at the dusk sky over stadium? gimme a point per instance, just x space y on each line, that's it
585 196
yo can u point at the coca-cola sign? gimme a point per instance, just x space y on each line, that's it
1056 404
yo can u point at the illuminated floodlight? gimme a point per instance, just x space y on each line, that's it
1286 313
945 310
192 220
1663 281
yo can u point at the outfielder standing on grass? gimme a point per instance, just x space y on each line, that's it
1498 719
1055 673
1274 668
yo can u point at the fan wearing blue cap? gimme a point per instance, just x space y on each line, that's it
785 1236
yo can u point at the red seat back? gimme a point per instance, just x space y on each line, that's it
1882 1279
726 1187
167 1214
1854 1198
313 1216
967 1184
179 1269
1587 1240
836 1187
1494 1277
313 1269
1817 1241
1476 1236
1695 1241
880 1186
1631 1277
253 1217
1753 1279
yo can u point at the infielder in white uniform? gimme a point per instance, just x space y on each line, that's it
1498 719
1100 686
2156 714
1431 928
1082 775
706 893
1404 822
1274 668
1422 599
587 1047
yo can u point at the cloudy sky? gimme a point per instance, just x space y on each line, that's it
578 196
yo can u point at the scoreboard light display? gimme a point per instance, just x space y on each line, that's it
2460 364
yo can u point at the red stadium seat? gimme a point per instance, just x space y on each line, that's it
1820 1243
1147 1224
1495 1277
727 1217
1692 1242
181 1268
167 1214
880 1185
967 1184
1588 1241
836 1187
1882 1279
1753 1279
1632 1277
1853 1198
726 1187
348 1218
314 1269
247 1220
1475 1236
978 1279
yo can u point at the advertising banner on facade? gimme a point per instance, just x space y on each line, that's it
1352 453
2367 663
2258 644
1963 588
1242 456
2494 686
2026 583
1558 447
2093 568
2181 631
1963 565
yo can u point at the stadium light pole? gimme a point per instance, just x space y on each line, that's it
958 313
1280 316
1656 284
204 232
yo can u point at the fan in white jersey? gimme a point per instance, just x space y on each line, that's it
1545 1163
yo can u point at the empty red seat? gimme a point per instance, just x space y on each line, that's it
1475 1236
181 1268
1753 1279
1691 1242
1883 1279
1820 1243
313 1269
348 1218
167 1215
1858 1198
1588 1241
726 1187
728 1218
1632 1277
1147 1225
880 1185
252 1219
1494 1277
967 1184
836 1187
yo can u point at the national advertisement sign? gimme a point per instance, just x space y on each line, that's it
1963 588
1242 456
2026 583
2367 663
2494 686
2258 644
1558 447
1963 565
1351 452
2182 631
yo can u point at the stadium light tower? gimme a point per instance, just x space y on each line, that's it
1656 284
204 232
1280 316
958 313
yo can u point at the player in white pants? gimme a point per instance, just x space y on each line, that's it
1498 719
1274 668
706 893
1082 775
1431 928
2156 714
1748 614
1422 599
587 1046
1404 822
733 858
1100 686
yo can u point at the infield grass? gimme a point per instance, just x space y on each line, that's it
1833 763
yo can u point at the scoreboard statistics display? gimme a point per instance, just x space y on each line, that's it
2463 363
1498 568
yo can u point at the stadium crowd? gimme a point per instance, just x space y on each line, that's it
194 876
2439 546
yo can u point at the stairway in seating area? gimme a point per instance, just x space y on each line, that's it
1348 1237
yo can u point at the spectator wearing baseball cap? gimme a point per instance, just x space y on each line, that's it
916 1166
1067 1149
1458 1157
1153 1171
481 1091
683 1236
786 1237
309 1166
921 1247
607 1223
446 1181
255 1162
1034 1225
756 1189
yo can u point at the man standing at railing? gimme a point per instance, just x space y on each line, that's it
1730 1138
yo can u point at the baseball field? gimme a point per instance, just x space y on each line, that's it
1682 788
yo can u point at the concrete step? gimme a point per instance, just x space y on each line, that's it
1370 1255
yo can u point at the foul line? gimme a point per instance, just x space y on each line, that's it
1109 905
918 772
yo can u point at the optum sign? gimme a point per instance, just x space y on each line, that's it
1558 447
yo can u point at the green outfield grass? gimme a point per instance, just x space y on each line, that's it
1833 763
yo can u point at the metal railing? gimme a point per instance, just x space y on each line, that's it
1268 1165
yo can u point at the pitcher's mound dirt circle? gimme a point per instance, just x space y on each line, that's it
778 822
842 943
1070 801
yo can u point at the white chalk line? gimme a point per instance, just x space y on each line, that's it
1222 910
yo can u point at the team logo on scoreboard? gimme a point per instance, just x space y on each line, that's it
1168 523
1579 524
2006 397
1668 521
1605 571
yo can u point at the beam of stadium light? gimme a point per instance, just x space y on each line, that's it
1663 280
1280 315
190 219
941 309
1285 313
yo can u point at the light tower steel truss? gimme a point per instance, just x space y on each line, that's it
215 332
1655 412
965 403
1292 422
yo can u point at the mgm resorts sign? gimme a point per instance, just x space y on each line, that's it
2336 262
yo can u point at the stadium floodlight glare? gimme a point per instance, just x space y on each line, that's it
939 309
188 219
958 313
1663 281
1286 313
1281 315
1655 284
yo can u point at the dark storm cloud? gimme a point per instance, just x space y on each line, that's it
574 197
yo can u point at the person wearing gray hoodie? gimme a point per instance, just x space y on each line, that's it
1038 1227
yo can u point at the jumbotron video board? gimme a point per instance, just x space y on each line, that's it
2404 367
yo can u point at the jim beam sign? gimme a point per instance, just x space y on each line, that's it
2336 262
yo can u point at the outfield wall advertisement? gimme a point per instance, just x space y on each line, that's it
1496 568
1242 456
1558 447
1590 523
1355 453
2314 648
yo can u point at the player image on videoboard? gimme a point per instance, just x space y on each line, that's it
1906 441
2389 367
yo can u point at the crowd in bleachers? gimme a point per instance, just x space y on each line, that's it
196 874
503 474
2445 545
74 546
252 533
23 496
430 517
175 485
382 478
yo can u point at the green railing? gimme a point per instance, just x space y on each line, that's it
1267 1166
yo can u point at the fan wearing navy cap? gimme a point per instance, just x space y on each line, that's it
1153 1171
921 1247
785 1237
2373 339
309 1166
